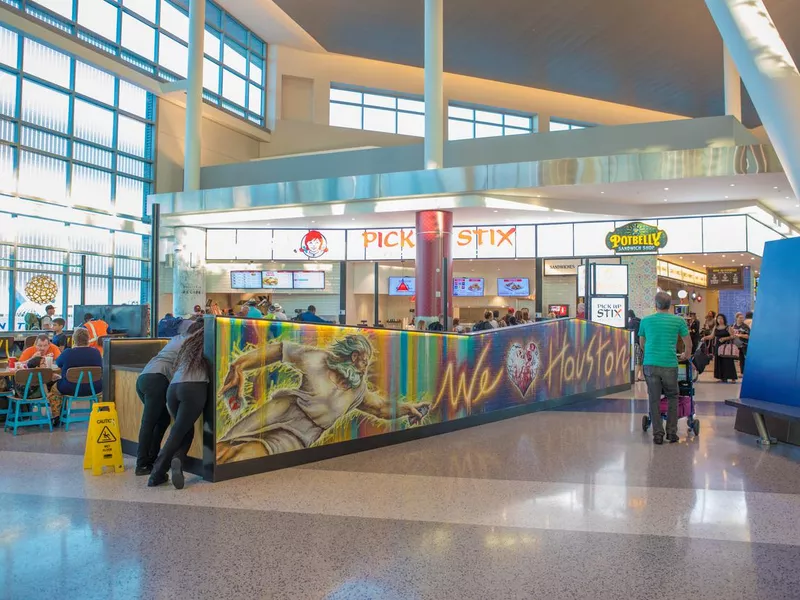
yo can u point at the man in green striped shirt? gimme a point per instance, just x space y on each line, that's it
658 335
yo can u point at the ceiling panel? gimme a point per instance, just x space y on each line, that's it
663 56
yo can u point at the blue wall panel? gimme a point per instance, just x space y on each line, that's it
733 301
773 357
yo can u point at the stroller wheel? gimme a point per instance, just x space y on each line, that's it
696 427
645 423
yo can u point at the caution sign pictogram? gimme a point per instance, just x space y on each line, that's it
103 448
106 437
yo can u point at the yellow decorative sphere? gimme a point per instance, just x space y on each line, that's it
41 289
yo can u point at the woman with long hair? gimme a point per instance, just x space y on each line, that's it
151 387
186 398
724 366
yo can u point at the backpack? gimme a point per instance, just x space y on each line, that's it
482 326
634 326
168 326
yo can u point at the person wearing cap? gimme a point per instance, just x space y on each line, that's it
47 319
276 313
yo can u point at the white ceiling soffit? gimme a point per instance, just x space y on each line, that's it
267 20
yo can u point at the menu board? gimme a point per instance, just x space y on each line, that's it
402 286
279 280
726 277
468 286
309 280
510 287
246 280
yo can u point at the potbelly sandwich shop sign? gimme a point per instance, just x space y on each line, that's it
635 238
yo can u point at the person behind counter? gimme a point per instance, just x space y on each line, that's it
310 316
97 329
252 310
457 326
275 313
186 398
151 387
437 325
80 355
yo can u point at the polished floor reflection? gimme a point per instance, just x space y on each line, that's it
575 503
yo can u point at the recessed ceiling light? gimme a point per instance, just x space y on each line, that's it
681 258
602 192
353 219
787 197
665 200
494 211
733 185
693 262
752 258
726 197
733 260
666 189
775 187
703 265
723 256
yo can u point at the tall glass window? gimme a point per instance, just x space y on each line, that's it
70 135
153 35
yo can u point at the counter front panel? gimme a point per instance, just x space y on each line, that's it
283 387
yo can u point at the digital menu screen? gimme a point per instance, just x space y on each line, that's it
309 280
515 286
402 286
279 280
246 280
467 286
559 310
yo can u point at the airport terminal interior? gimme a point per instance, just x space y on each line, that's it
400 270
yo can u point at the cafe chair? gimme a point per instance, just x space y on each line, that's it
4 412
80 414
30 341
25 411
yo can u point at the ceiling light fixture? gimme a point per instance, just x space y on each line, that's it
726 197
666 189
733 185
665 200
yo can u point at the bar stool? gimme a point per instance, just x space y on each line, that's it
32 414
80 414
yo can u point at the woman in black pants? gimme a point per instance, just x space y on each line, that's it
151 386
186 399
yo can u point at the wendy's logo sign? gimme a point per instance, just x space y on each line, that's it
313 244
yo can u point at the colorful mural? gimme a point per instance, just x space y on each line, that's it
284 386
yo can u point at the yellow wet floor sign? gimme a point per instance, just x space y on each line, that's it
103 447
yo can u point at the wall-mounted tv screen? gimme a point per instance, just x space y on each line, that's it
309 280
402 286
468 286
279 280
514 286
246 280
559 310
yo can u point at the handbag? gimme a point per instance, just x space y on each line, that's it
738 342
728 350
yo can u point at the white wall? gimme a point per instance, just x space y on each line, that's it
559 289
220 145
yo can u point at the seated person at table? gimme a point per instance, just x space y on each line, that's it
80 355
60 338
41 349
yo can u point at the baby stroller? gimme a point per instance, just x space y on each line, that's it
685 401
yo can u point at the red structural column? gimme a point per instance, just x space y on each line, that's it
434 237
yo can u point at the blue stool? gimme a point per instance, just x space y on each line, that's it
80 414
24 411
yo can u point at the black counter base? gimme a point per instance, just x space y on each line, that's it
190 465
300 457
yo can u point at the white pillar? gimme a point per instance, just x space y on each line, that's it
188 271
194 96
434 87
733 85
768 73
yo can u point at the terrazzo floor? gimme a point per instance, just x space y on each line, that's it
575 503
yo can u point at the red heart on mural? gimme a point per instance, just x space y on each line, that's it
522 364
